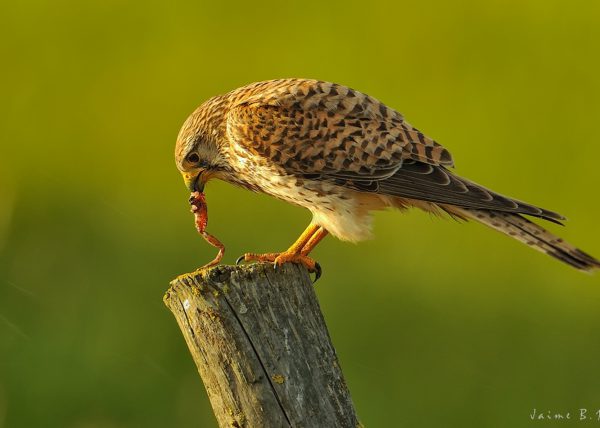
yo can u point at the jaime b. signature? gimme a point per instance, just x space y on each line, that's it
582 414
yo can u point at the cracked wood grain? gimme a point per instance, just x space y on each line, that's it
261 346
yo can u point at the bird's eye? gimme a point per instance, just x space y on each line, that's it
193 158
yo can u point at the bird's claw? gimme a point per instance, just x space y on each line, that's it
316 268
278 259
318 272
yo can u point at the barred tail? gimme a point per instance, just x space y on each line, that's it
531 234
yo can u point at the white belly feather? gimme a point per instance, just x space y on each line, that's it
343 212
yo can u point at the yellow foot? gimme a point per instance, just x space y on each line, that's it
280 258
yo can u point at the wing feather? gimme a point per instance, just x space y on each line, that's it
324 131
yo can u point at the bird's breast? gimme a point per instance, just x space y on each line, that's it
343 212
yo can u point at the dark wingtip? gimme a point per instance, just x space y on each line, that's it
553 220
553 217
542 213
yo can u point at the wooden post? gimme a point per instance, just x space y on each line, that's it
261 346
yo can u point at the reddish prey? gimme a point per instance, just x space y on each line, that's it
200 210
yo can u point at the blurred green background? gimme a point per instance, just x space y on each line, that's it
436 323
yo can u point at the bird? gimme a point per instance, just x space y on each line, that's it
343 154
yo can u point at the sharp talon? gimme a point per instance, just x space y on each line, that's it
275 265
318 272
240 259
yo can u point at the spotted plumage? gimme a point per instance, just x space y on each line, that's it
343 154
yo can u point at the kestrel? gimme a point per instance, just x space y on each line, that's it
342 154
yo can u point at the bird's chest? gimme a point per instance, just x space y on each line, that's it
338 210
261 175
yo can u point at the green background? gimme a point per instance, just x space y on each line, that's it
436 323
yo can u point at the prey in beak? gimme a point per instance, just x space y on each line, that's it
200 210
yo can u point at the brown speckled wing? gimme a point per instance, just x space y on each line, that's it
314 127
325 131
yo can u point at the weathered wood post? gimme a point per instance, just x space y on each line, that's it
261 346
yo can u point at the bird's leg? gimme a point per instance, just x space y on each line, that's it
297 253
310 245
314 240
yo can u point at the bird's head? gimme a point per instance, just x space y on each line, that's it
197 153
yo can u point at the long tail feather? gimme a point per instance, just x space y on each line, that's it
531 234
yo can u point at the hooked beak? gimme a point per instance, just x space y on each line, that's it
193 182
